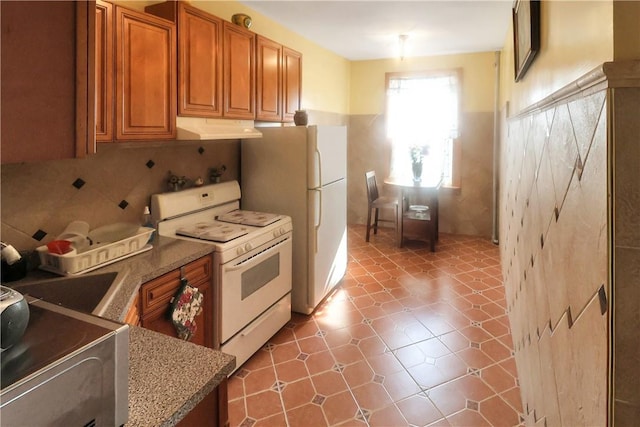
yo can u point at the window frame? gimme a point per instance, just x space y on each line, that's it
456 146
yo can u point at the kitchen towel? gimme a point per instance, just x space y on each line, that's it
185 306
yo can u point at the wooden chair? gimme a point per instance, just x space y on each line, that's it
376 202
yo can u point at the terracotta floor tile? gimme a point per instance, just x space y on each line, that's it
384 364
284 335
418 410
448 398
339 408
329 383
387 416
443 314
259 380
455 341
466 418
291 370
495 350
495 327
372 346
298 393
319 362
400 385
237 412
312 345
497 378
284 352
498 412
272 421
235 388
263 404
358 373
475 358
371 396
347 354
513 398
306 329
307 415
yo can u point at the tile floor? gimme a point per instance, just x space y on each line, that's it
411 338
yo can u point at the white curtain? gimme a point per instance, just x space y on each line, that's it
422 112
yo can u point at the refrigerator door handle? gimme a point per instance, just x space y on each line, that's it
318 168
317 222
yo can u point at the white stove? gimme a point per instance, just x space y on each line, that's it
252 253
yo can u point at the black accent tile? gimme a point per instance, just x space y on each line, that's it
39 235
200 150
150 164
123 204
78 183
602 296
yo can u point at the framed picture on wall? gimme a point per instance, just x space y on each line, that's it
526 34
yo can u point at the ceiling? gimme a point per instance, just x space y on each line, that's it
360 30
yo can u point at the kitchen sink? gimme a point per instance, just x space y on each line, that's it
88 293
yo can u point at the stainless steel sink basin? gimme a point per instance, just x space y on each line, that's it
88 293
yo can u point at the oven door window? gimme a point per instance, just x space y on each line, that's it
258 276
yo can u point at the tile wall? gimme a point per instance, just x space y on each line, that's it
564 229
467 211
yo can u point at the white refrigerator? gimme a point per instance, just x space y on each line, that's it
301 171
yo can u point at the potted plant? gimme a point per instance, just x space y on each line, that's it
417 153
177 183
216 172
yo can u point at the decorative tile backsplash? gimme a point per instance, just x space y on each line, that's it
114 185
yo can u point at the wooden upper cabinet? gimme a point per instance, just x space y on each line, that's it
239 72
105 67
145 76
291 82
199 58
279 75
269 80
47 92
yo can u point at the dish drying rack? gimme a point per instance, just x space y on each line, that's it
76 263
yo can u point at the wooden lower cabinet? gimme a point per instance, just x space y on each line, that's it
155 302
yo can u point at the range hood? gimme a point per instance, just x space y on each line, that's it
195 128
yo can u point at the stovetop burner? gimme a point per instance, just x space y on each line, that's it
213 231
256 219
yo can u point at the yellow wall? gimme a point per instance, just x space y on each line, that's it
325 75
575 37
478 76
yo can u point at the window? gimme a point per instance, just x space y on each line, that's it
422 113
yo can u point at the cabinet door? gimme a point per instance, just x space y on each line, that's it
292 83
239 72
269 80
200 67
105 66
46 57
156 301
145 76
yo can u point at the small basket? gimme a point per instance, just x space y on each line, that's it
78 263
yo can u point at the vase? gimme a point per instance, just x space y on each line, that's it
417 171
300 118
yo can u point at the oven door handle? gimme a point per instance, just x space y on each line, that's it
256 257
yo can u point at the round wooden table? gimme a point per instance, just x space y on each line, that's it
427 188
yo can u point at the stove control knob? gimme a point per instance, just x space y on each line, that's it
248 247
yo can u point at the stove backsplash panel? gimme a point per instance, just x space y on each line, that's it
38 200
